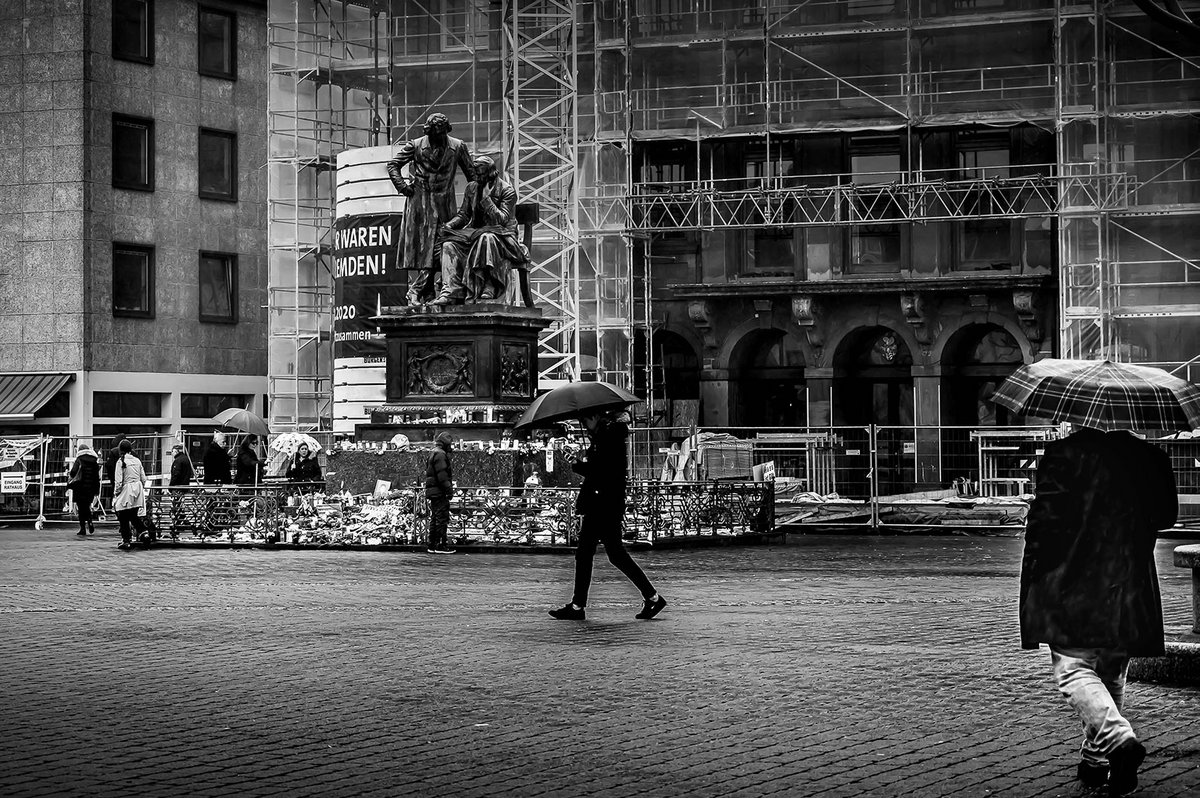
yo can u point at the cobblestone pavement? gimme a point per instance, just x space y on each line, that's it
829 666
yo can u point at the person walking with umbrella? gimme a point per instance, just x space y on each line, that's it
601 502
1089 588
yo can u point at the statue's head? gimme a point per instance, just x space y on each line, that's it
485 167
438 124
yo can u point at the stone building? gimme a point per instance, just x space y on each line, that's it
132 214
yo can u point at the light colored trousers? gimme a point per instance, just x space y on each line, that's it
1093 682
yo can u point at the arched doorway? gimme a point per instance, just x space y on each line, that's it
976 360
873 379
676 377
768 374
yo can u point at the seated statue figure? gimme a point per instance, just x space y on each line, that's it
480 247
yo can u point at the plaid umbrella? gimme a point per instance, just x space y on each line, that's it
1101 394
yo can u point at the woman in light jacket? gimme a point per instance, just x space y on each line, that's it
129 484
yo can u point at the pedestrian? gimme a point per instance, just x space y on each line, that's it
182 472
304 466
129 500
246 472
1089 588
601 503
84 484
216 461
439 488
110 463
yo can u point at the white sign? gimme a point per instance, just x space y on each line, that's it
549 460
910 447
382 486
12 482
764 472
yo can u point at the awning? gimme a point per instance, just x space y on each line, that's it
22 395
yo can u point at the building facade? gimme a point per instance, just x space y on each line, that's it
133 214
759 212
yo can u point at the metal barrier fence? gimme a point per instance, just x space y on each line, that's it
706 481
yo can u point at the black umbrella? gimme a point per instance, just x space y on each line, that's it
574 400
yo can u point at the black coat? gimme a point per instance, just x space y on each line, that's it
604 472
181 470
305 470
84 478
1087 577
247 467
439 474
216 465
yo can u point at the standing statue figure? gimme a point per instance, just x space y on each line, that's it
433 160
480 247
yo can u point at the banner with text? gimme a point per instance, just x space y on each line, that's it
366 277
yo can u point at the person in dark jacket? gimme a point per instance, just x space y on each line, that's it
439 489
1089 588
182 472
304 466
84 482
110 462
247 469
216 462
601 502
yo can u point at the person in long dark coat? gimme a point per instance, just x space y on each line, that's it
601 503
439 489
433 161
216 462
84 481
247 469
1089 588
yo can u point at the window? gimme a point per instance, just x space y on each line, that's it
985 244
207 405
217 161
770 251
133 30
133 281
132 152
218 287
217 46
59 406
111 404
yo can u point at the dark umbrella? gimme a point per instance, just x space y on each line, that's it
243 420
574 400
1102 395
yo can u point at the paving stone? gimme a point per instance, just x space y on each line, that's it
829 666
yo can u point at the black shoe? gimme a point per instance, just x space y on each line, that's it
651 608
91 529
568 613
1124 762
1092 776
124 545
81 534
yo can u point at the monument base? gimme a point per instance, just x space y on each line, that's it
458 364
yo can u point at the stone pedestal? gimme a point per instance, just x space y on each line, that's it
471 369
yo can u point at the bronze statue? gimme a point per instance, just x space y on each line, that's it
433 161
480 247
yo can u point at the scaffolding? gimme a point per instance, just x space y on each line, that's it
656 134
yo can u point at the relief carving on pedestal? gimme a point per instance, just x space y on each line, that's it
514 371
808 314
440 370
